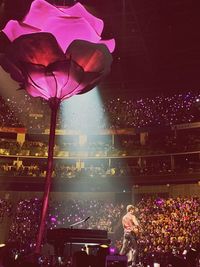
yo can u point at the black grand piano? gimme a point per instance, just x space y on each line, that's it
77 236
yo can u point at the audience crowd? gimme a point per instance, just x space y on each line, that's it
153 157
32 114
163 110
126 145
101 169
168 225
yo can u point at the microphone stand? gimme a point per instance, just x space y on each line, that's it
79 222
70 244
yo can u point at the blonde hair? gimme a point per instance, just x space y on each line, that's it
130 207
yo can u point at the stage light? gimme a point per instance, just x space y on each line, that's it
103 250
104 246
113 250
83 113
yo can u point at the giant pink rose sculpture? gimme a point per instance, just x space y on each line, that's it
55 53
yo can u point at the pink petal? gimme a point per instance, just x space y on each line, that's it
14 29
109 43
66 30
79 11
44 11
66 24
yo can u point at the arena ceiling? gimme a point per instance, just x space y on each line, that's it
157 42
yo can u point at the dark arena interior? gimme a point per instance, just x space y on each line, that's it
133 140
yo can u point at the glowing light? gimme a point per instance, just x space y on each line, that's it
84 113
